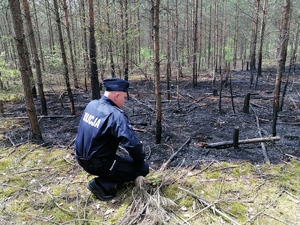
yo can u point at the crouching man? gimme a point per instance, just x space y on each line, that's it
103 126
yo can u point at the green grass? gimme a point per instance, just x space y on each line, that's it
42 185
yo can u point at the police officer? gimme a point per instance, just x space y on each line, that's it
103 126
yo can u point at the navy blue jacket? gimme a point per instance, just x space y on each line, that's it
103 126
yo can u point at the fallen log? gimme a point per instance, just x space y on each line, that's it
40 117
229 144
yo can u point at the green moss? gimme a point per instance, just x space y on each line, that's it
55 157
187 201
237 209
61 215
4 163
171 191
119 213
57 190
190 181
18 206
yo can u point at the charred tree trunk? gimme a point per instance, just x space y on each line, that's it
254 40
281 57
155 5
84 43
93 62
64 59
23 56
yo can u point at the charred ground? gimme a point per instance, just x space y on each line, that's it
192 115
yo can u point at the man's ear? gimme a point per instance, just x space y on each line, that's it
117 95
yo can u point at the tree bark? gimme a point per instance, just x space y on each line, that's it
93 62
75 80
236 31
295 49
110 49
281 58
168 70
39 36
36 57
156 5
24 68
50 30
126 66
84 43
262 32
195 42
64 59
254 40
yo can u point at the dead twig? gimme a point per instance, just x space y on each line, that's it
58 205
173 155
212 206
275 218
40 117
263 146
31 150
153 110
264 209
201 171
292 156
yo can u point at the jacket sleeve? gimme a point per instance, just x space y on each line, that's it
129 140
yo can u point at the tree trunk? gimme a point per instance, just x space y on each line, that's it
209 61
93 62
84 43
155 5
50 30
281 57
70 44
195 42
262 32
216 37
24 68
39 36
168 70
36 57
64 59
126 41
223 52
110 49
236 32
254 40
295 49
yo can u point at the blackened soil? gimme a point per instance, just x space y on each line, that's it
190 119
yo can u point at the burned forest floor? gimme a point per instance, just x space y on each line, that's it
193 120
200 115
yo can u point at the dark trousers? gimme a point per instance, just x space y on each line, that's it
115 171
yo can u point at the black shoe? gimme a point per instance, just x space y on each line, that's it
99 191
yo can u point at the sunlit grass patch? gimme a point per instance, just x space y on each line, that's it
46 186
